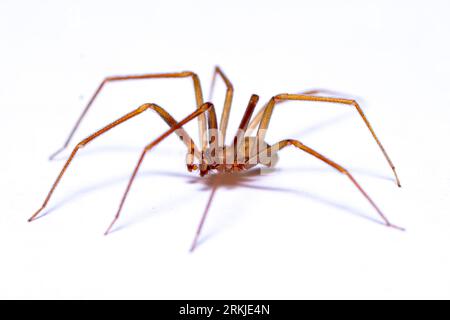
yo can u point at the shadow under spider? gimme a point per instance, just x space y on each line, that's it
213 182
104 184
243 180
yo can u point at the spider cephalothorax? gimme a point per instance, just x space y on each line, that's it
236 157
245 152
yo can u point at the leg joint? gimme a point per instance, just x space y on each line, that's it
147 106
279 97
81 144
354 103
190 74
292 142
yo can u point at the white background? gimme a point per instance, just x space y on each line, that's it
302 231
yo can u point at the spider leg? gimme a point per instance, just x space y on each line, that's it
203 219
239 137
193 151
257 118
185 74
268 110
284 143
227 104
319 91
203 108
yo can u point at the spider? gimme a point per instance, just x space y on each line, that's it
246 151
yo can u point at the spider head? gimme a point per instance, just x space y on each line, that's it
228 159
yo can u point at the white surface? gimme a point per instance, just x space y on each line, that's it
305 238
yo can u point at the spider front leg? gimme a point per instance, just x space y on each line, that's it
173 75
290 142
257 118
193 151
268 110
205 107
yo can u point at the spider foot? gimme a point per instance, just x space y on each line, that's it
395 227
110 227
33 217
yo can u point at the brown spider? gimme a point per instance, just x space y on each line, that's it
246 152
